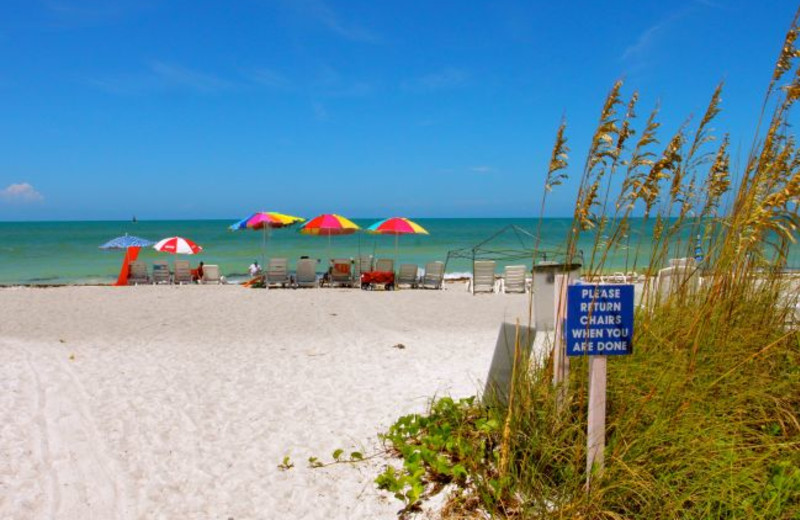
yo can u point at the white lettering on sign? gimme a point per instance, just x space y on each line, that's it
599 319
601 306
608 346
600 292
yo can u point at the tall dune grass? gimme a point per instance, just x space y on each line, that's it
703 421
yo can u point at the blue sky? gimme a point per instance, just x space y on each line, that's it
198 109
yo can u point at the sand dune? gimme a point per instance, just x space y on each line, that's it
165 402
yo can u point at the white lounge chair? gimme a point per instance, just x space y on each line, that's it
278 272
161 274
675 278
407 275
341 272
617 277
137 273
363 265
306 273
183 272
211 275
682 262
434 275
514 279
384 265
482 276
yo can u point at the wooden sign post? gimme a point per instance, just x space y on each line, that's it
596 422
599 324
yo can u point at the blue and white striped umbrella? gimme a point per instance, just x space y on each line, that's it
127 241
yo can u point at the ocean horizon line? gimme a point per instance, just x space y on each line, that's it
235 219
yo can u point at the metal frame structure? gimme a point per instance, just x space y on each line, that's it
483 251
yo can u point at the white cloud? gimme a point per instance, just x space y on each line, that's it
649 37
483 169
270 78
22 192
643 43
161 76
177 76
331 83
320 112
445 79
323 14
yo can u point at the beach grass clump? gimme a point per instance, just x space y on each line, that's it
716 435
703 420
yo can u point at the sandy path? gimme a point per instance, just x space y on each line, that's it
160 402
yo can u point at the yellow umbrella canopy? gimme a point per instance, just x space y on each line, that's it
397 226
266 220
329 224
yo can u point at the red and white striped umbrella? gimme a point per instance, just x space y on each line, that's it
177 245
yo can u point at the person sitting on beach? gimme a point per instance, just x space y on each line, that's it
254 269
198 275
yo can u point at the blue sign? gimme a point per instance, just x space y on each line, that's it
599 320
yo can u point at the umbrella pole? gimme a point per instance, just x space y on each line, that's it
327 265
264 247
396 236
264 255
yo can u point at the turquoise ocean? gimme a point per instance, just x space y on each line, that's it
51 253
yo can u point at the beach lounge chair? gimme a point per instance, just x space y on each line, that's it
617 277
306 273
514 279
482 276
161 274
434 275
183 272
676 278
407 275
341 272
211 275
682 262
365 264
384 265
278 272
138 273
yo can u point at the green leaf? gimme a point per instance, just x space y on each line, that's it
337 454
286 463
459 472
356 455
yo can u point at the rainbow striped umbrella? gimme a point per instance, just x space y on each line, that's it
265 220
329 224
397 226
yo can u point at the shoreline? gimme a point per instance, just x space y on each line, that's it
449 278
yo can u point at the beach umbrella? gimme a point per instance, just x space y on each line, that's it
177 245
131 245
698 249
329 224
396 226
126 241
265 221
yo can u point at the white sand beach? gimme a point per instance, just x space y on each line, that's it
181 402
